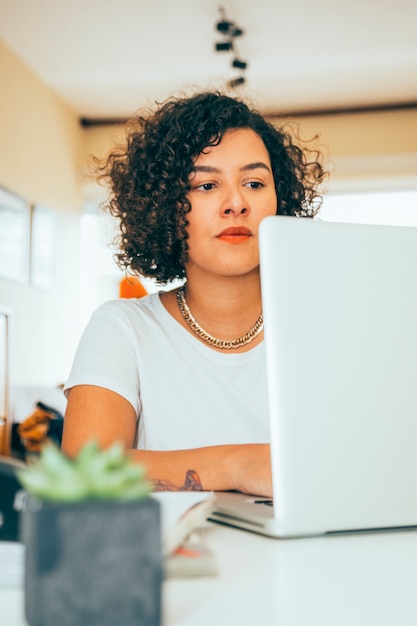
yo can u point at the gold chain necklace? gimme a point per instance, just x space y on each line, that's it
223 344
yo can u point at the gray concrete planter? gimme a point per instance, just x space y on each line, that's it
95 563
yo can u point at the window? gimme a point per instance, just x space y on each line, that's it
396 208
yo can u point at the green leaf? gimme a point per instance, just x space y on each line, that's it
88 452
53 462
108 474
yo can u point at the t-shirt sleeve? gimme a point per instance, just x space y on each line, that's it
106 357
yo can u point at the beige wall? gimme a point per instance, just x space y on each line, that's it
40 142
353 134
372 151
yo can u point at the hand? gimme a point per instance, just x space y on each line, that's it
251 469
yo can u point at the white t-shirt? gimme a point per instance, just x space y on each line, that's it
185 394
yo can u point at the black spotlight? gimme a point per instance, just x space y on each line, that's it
223 26
224 45
236 82
241 65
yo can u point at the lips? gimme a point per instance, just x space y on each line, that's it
235 234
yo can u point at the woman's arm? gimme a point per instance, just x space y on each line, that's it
97 413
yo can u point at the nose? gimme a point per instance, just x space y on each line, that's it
234 202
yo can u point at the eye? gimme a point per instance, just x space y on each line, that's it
205 186
255 184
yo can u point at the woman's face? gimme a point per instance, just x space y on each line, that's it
232 190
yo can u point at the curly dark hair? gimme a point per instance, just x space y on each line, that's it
149 177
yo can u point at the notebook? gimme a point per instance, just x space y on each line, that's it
340 310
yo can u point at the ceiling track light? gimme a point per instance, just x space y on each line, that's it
236 82
237 32
224 46
229 31
224 26
227 27
241 65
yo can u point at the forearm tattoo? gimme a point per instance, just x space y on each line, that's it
192 483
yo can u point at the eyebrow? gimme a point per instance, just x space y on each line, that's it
245 168
255 166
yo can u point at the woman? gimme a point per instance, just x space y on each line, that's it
179 376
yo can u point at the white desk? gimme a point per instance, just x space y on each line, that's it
363 580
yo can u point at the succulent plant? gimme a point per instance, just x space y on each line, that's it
108 474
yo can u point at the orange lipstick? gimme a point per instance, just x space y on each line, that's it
235 234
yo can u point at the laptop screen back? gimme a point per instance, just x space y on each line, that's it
340 310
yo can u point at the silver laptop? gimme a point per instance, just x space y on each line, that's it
340 309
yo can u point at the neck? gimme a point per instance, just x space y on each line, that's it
225 298
225 306
216 342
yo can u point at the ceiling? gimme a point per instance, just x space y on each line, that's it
107 59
